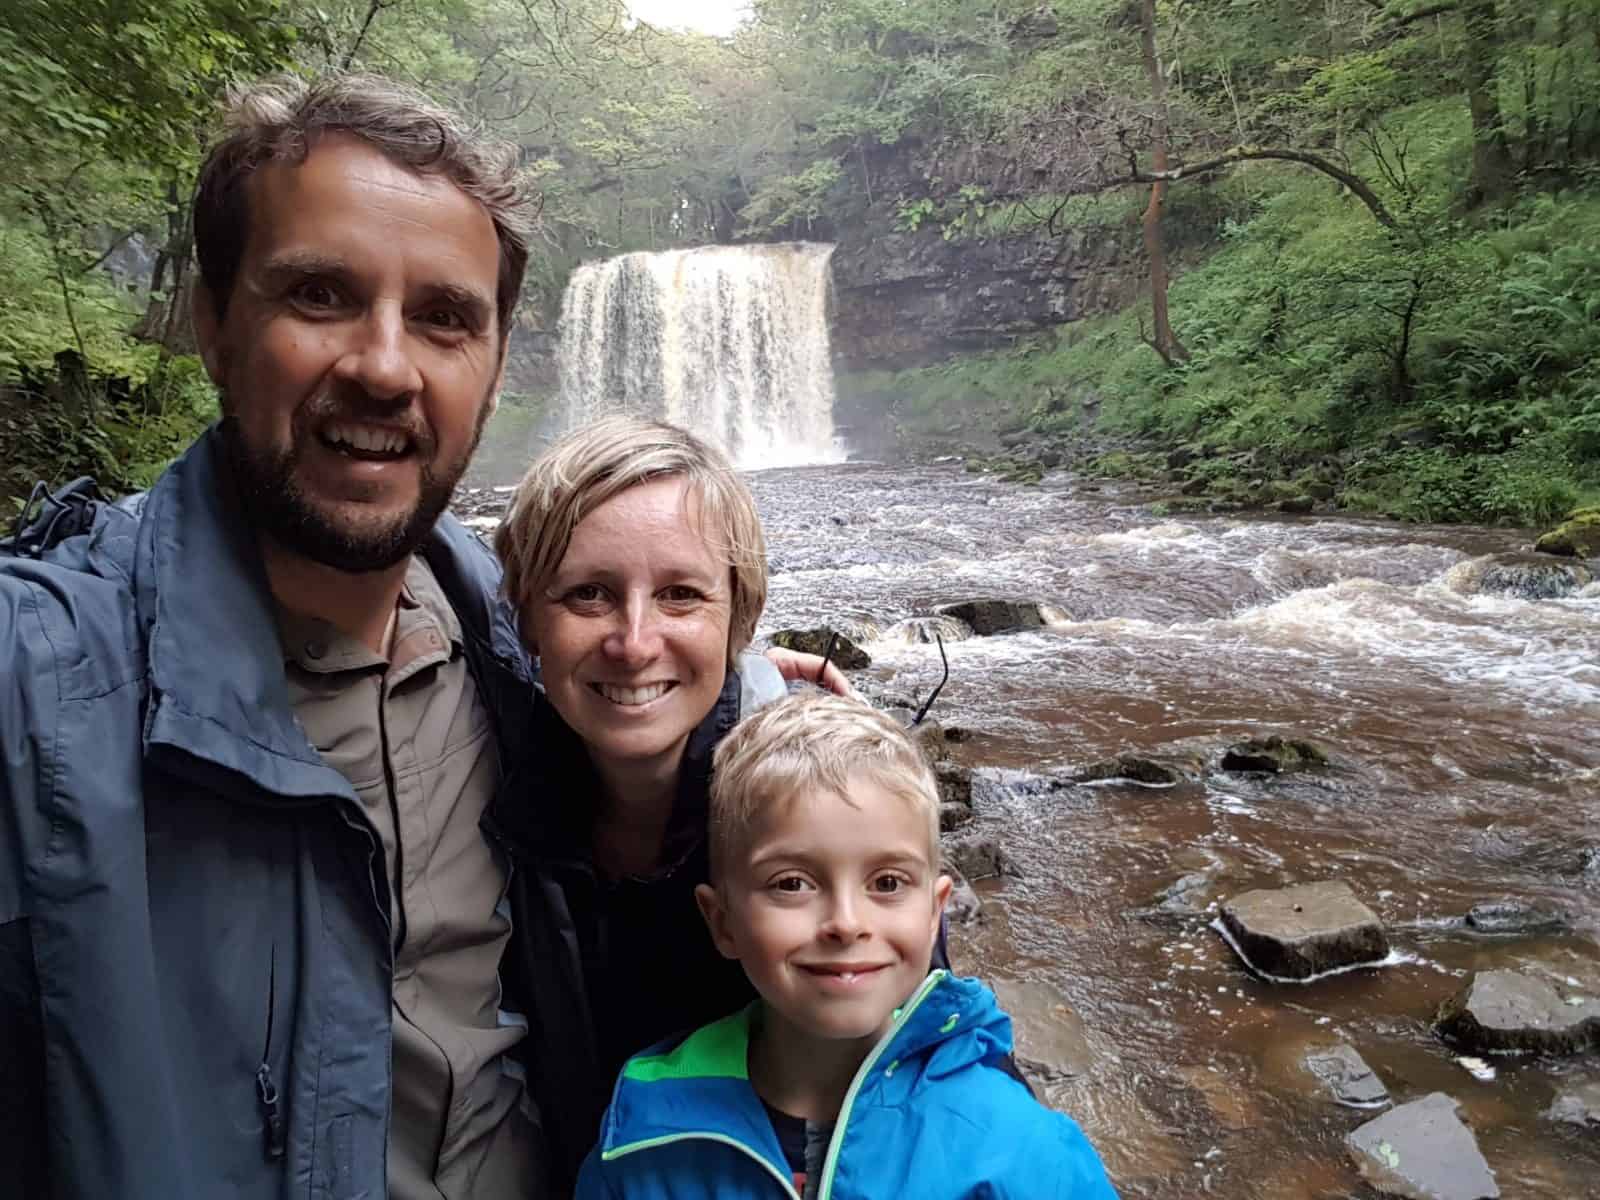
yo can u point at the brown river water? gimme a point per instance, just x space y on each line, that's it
1464 733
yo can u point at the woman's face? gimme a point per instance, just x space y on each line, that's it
632 633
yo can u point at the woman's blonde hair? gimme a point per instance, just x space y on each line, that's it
591 465
812 742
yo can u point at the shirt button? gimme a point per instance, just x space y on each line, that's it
316 651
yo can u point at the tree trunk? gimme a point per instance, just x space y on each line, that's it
1163 340
1492 170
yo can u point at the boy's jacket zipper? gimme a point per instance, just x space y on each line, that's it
830 1164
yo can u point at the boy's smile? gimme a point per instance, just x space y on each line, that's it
832 908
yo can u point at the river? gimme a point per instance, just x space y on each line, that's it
1462 730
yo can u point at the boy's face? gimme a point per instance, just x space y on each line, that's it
832 908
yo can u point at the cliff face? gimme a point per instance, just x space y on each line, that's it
904 299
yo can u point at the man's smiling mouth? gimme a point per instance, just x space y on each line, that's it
633 697
375 443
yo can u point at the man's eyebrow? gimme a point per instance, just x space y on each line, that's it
303 262
468 299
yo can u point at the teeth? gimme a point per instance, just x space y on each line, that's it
367 438
632 697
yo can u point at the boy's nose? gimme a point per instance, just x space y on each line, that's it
844 922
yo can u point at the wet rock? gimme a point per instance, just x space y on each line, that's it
989 617
1423 1151
1508 1011
1128 766
1513 918
1526 576
1051 1041
1274 753
964 905
1577 1104
1577 537
1319 490
1589 866
1303 931
928 737
977 857
1296 504
957 733
953 815
955 783
1347 1077
847 656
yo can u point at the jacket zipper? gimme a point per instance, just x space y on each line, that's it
266 1086
831 1164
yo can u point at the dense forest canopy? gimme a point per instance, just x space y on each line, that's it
1398 196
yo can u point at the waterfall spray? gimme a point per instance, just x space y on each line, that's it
729 341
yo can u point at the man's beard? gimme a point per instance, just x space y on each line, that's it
276 506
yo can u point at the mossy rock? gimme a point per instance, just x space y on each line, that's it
1578 537
1274 754
847 656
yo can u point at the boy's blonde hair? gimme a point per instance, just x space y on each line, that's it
812 741
591 465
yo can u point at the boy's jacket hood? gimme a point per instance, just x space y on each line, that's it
700 1086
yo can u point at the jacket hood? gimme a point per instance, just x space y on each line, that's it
699 1086
219 694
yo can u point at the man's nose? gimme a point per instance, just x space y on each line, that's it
379 359
635 639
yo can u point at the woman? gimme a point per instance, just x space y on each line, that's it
636 560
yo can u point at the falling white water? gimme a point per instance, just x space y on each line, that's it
730 341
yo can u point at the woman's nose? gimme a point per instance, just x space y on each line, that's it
636 638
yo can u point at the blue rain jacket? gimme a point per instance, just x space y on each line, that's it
929 1115
195 962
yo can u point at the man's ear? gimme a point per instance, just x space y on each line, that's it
499 376
207 330
715 912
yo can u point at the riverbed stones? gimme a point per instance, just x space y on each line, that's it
1274 754
955 783
1134 767
1051 1040
989 616
1298 933
1525 576
964 905
1423 1151
978 857
953 815
846 654
1513 918
1577 1104
1346 1076
1501 1011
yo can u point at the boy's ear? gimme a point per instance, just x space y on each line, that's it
942 887
716 914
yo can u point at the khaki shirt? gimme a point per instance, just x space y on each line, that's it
411 735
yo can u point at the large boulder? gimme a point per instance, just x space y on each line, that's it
1423 1151
1526 576
1298 933
988 617
1274 754
846 654
1346 1076
1577 537
1500 1011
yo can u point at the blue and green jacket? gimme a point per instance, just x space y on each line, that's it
929 1114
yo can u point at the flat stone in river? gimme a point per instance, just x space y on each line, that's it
1502 1011
1346 1076
1422 1151
1300 932
994 616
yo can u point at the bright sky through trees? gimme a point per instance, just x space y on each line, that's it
705 16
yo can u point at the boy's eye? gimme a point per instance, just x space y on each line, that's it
789 883
888 885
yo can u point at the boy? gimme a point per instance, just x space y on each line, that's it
857 1075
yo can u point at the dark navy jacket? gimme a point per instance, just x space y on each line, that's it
193 913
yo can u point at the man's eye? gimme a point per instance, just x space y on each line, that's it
446 319
315 294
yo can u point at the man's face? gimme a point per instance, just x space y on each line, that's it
360 353
832 908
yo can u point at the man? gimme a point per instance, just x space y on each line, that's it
251 721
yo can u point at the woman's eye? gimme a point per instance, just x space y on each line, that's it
681 594
585 595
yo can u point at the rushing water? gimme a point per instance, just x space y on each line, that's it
1466 767
731 341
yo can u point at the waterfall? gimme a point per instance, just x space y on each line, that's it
729 341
